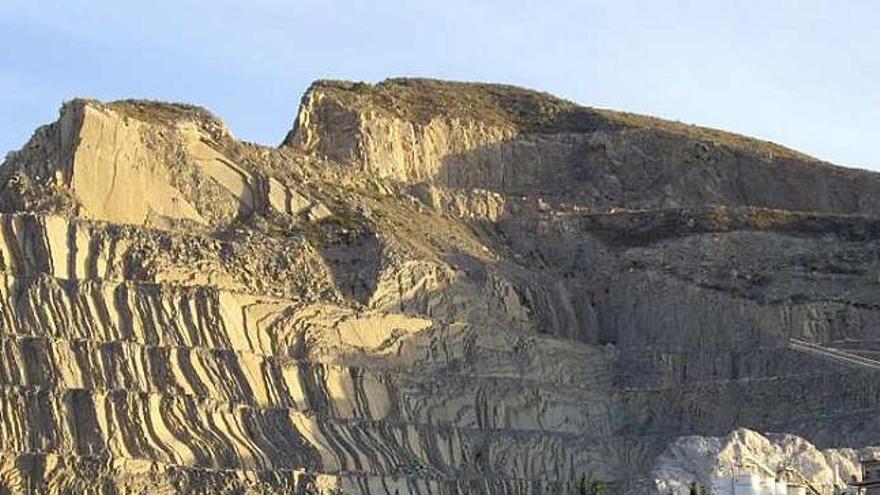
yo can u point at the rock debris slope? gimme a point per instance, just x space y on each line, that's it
429 287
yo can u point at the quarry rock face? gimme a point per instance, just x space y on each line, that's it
429 287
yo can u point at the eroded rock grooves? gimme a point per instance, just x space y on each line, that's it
429 287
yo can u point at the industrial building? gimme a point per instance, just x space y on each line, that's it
870 482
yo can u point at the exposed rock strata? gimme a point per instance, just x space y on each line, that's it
428 288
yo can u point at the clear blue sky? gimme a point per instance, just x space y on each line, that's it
802 73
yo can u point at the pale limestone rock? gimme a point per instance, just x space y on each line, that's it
317 212
136 185
704 459
286 200
127 169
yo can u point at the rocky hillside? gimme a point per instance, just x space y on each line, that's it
429 287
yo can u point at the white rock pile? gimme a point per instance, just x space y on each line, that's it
706 459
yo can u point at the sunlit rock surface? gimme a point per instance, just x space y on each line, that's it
704 460
429 287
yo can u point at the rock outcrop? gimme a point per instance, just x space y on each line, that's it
148 164
702 460
515 141
429 287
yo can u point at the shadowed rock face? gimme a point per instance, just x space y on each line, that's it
430 287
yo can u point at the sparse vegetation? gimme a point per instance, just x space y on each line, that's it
420 100
158 112
705 134
697 489
361 87
337 227
591 486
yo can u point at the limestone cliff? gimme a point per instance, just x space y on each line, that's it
429 287
145 163
517 141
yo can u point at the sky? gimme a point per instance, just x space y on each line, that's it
801 73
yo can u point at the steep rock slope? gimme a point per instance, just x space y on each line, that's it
430 287
516 141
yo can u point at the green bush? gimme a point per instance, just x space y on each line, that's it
591 485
